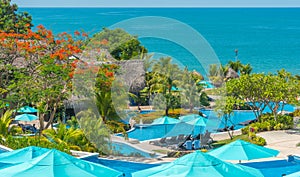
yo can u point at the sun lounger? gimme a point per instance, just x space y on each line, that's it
172 140
161 142
188 145
206 140
180 138
196 144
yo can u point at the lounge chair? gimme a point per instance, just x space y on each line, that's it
161 142
188 145
181 138
196 144
172 140
206 140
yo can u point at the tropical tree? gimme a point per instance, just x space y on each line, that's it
190 90
166 77
224 108
95 130
260 91
11 21
120 44
5 127
37 70
71 137
103 91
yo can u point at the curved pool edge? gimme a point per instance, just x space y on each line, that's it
5 148
159 155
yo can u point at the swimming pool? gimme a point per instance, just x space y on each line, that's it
2 150
147 132
275 168
123 149
126 167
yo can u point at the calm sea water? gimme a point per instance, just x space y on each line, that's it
267 38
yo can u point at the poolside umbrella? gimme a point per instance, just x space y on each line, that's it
165 121
27 109
21 155
58 164
242 150
198 122
189 117
26 117
198 164
296 174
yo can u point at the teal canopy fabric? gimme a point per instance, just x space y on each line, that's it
197 122
165 120
189 117
27 109
242 150
198 164
297 174
21 155
26 117
58 164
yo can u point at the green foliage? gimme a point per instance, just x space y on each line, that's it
71 137
265 91
252 138
296 113
268 123
95 130
117 127
120 44
11 21
5 127
22 142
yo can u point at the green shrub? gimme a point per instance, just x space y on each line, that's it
296 113
259 140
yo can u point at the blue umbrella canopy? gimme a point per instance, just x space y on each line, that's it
26 117
197 122
58 164
198 164
165 120
242 150
189 117
21 155
27 109
296 174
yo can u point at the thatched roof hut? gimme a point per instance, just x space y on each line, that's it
231 74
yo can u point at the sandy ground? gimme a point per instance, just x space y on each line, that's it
284 141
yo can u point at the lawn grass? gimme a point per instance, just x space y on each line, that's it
227 141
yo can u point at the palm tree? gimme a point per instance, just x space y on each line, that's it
166 76
246 69
5 128
190 90
71 137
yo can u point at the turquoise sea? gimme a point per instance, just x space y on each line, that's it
267 38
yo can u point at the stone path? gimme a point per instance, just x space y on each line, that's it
283 141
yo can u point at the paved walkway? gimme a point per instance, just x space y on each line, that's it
283 141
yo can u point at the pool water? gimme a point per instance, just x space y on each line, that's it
123 149
275 168
2 150
147 132
126 167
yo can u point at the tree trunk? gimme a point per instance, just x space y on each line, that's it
191 108
52 116
167 111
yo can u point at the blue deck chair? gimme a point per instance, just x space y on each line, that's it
188 145
196 144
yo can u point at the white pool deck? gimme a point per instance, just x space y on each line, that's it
283 141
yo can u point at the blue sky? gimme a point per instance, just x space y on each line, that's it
157 3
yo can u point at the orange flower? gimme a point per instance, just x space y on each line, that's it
77 33
104 42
